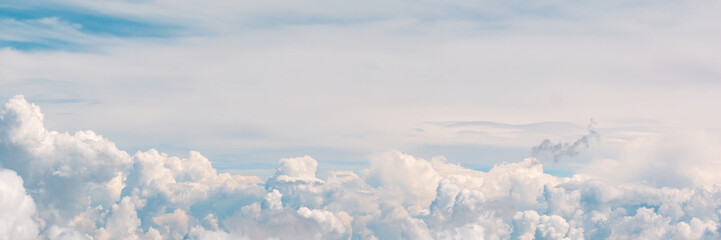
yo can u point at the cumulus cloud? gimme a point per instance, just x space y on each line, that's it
17 209
678 159
57 185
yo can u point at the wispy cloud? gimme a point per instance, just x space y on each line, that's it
564 149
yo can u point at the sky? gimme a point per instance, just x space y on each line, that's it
360 119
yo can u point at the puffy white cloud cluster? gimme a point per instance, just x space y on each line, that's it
80 186
16 208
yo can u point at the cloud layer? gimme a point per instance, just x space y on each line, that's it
362 76
57 185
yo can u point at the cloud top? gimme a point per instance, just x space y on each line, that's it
57 185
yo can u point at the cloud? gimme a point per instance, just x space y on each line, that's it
371 62
66 173
77 186
678 158
297 169
17 208
396 172
564 149
251 64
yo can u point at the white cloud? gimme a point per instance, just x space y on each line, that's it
173 225
84 186
358 77
399 173
680 159
17 209
67 174
297 169
123 222
381 75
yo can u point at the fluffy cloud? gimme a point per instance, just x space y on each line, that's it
17 209
80 186
677 159
67 175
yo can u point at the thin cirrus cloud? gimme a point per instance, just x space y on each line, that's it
232 78
57 185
